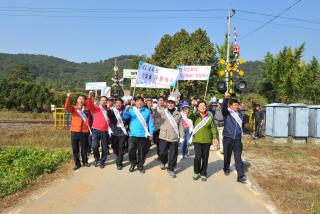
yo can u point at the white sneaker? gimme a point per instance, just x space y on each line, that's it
162 166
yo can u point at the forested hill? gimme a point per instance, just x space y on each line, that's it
60 73
253 74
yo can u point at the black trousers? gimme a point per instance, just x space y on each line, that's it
234 145
89 147
168 153
201 151
138 149
257 127
97 137
79 142
118 145
156 140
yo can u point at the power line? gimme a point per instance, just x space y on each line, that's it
150 17
57 9
280 17
114 17
271 20
282 25
126 10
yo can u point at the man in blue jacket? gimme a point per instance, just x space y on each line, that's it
232 134
141 130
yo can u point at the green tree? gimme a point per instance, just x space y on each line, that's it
287 78
187 49
20 73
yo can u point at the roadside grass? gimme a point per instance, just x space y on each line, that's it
35 136
289 173
28 153
15 115
20 166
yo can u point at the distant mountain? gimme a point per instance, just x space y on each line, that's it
61 73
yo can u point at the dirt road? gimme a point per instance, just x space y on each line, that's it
92 190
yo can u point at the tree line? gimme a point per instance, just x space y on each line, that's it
283 77
287 78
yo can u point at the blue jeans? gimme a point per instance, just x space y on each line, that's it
98 136
185 143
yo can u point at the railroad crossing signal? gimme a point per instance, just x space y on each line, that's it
235 74
117 86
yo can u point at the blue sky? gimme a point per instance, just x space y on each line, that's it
92 38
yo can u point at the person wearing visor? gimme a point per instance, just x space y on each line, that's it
171 131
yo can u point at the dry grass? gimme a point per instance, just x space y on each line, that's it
289 173
34 136
15 115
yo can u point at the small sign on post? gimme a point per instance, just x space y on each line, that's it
129 73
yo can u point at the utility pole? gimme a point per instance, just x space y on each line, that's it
231 77
231 13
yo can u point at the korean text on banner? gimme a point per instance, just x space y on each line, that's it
133 84
194 72
151 76
95 85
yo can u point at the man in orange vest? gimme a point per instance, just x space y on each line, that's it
80 129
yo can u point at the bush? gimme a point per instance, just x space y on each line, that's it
256 98
20 166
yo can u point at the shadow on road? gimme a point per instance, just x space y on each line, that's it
214 167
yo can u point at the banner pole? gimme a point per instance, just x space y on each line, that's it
205 94
134 91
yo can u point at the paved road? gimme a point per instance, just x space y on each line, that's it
93 190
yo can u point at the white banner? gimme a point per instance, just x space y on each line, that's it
95 85
194 72
106 91
133 84
129 73
152 76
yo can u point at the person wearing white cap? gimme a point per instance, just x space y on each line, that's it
171 130
188 128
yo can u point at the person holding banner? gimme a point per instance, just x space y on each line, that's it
171 131
80 129
232 134
141 130
120 133
204 134
101 129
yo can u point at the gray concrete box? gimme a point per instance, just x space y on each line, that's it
298 120
277 117
314 121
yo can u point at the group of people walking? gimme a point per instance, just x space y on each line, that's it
169 124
